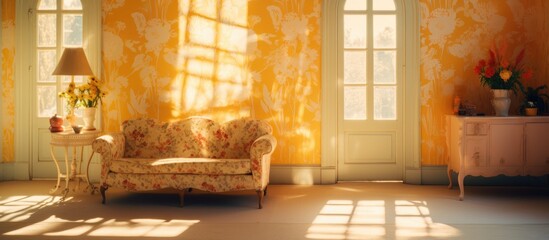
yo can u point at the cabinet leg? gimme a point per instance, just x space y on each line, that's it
461 177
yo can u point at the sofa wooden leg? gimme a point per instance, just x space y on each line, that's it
181 198
265 192
102 189
260 198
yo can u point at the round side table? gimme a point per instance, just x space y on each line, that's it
67 139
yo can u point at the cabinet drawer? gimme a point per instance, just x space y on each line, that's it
475 153
476 129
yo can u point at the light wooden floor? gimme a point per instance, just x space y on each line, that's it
339 211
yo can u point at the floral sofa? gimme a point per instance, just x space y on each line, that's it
194 153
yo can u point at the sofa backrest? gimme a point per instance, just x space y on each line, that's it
195 137
241 133
191 137
145 138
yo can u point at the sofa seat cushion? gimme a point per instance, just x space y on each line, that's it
181 166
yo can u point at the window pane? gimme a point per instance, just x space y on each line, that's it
384 31
354 103
355 5
354 70
47 101
72 30
354 31
72 5
47 5
46 30
67 79
46 65
385 103
384 5
385 67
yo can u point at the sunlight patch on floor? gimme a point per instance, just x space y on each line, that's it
345 219
22 208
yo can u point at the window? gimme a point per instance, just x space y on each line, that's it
370 54
59 24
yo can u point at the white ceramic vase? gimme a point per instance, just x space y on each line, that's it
88 115
501 102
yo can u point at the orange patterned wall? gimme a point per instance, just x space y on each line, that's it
225 59
218 58
7 106
455 35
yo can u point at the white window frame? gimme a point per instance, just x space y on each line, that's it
331 10
25 31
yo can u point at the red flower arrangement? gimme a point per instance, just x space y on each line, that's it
498 73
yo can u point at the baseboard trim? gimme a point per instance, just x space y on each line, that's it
14 171
412 176
3 172
299 175
309 175
21 171
434 175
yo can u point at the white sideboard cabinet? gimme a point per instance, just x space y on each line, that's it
490 146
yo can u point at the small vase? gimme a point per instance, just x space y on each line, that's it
71 117
501 102
88 115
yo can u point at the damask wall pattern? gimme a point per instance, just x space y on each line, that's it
222 59
7 124
230 58
455 35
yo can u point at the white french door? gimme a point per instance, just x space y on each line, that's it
370 92
59 24
53 25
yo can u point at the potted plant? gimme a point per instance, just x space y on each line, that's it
533 98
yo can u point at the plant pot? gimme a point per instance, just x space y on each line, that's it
531 111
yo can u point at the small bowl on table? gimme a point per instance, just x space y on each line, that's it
77 128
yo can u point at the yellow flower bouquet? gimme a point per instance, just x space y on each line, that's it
90 93
70 95
87 95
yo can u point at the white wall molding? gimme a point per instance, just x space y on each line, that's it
22 85
412 110
328 152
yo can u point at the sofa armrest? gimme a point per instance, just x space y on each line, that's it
260 155
110 146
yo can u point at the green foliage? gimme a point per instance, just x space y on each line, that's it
536 97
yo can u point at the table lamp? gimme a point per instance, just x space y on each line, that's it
73 62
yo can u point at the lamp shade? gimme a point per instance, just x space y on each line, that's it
73 62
